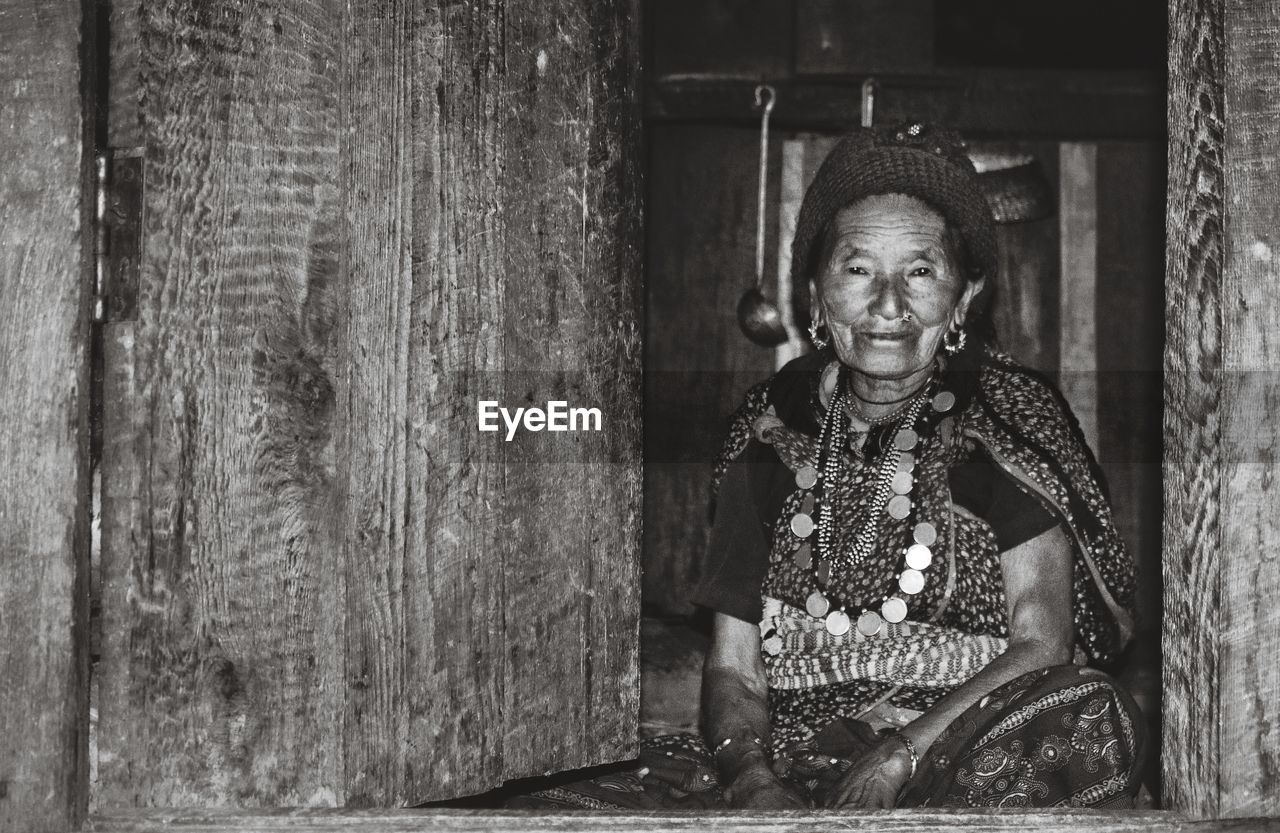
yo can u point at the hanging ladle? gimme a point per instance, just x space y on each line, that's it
757 315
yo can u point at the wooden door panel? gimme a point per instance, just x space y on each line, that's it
221 678
45 205
323 584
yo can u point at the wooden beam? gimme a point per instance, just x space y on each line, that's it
45 291
464 821
1043 104
1192 414
1222 495
1249 631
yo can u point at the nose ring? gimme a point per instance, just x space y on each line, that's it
906 316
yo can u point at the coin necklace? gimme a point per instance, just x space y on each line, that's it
894 484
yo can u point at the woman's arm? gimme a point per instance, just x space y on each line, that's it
735 706
1037 586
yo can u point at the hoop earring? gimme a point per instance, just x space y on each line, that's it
953 346
819 340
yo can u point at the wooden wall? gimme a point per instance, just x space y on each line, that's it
1221 626
698 364
45 204
322 585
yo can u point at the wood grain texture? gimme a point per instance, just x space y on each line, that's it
432 114
1193 450
572 208
323 584
44 428
492 588
698 364
1249 682
220 667
381 50
455 821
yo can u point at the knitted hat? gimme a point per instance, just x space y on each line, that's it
918 160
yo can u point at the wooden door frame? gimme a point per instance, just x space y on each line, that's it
1220 311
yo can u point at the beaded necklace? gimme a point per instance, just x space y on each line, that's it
894 482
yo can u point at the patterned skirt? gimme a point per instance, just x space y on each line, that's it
1065 736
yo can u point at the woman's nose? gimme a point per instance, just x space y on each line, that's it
887 301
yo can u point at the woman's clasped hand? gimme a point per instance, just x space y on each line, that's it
758 787
873 781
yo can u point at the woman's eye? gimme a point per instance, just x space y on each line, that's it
857 270
921 272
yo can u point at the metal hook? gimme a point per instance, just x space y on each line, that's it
761 91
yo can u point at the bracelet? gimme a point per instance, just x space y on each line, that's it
911 748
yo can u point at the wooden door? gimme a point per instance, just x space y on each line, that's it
322 585
45 204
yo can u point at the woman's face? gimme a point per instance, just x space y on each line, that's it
888 257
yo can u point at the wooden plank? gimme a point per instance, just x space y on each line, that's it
1193 449
516 304
842 38
45 206
461 821
221 654
1048 105
698 364
572 190
448 647
1249 681
1078 308
378 92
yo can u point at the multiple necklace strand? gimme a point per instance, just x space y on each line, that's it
894 482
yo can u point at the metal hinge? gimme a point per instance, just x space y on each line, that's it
118 243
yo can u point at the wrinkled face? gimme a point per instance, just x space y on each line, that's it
887 256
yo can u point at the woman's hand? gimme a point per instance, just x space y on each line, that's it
757 788
874 781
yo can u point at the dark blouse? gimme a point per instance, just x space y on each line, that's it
738 556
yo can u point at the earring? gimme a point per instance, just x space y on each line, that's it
819 340
953 346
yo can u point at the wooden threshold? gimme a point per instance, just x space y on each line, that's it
475 821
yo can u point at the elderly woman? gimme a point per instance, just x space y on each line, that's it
913 564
